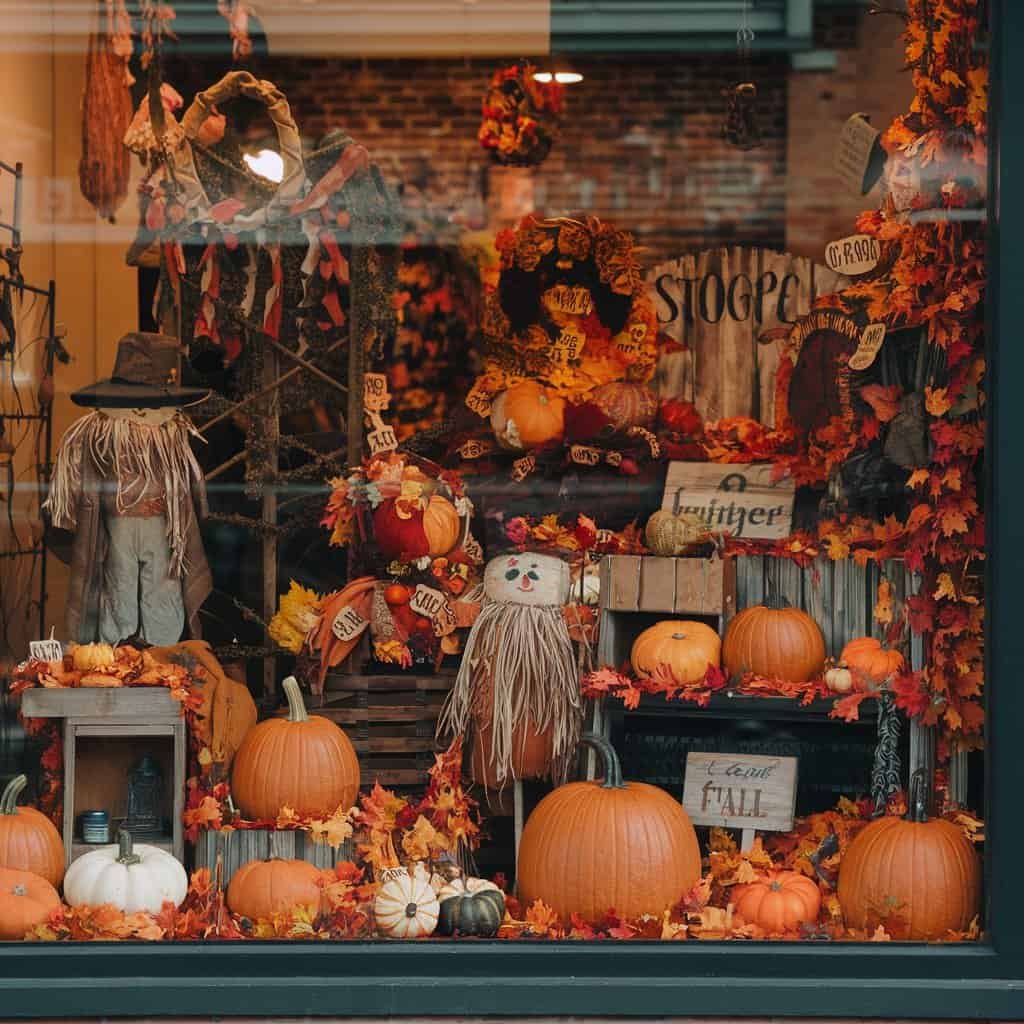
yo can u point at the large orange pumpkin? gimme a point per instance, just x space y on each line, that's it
868 658
778 643
589 847
26 900
303 762
779 902
28 839
626 404
527 415
442 525
263 888
687 648
922 873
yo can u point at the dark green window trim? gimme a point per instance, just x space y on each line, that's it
660 979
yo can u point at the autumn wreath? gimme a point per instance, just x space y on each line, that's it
520 116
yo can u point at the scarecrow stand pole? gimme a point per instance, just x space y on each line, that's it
270 378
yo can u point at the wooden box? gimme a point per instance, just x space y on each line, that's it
391 721
240 846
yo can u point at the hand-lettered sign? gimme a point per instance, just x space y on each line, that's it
383 440
735 498
46 650
348 624
479 401
855 254
746 791
375 392
567 298
870 343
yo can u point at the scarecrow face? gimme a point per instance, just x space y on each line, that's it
150 417
527 579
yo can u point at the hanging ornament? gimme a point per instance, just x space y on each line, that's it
740 127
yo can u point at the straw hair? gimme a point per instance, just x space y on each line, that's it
135 455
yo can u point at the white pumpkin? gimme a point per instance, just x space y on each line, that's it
527 578
131 878
407 907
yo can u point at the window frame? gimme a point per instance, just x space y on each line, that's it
893 980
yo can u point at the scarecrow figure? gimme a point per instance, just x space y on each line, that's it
128 488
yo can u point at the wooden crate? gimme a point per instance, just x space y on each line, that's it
240 846
391 721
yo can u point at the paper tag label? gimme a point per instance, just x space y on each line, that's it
613 458
523 467
870 344
479 401
853 152
584 455
385 875
428 602
567 298
375 391
46 650
382 440
603 537
444 621
475 449
652 442
348 624
856 254
569 344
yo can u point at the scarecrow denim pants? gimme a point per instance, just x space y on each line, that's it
140 597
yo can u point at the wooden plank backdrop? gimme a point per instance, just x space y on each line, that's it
729 310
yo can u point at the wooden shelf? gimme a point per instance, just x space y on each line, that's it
726 704
78 848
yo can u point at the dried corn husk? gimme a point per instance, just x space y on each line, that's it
106 114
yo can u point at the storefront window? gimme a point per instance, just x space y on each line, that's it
456 495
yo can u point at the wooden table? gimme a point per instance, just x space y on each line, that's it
119 714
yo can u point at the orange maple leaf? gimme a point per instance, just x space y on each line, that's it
937 401
540 918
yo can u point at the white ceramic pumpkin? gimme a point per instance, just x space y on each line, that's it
407 907
129 877
527 578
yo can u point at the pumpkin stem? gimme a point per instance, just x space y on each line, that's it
9 800
606 752
125 852
917 797
19 890
411 910
296 706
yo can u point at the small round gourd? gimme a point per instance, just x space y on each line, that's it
779 902
527 415
29 841
407 907
26 900
670 534
687 648
839 679
127 876
470 906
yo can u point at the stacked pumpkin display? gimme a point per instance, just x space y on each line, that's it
570 336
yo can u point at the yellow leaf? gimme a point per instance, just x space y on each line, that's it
936 401
946 587
205 757
918 477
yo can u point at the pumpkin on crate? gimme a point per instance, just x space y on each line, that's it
686 648
26 900
29 841
470 906
671 533
915 871
304 762
589 847
778 643
779 902
626 404
527 415
127 876
262 888
867 658
407 906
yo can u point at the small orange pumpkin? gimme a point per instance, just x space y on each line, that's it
778 643
303 762
921 873
29 841
26 900
870 659
779 902
527 415
262 888
442 525
687 648
626 404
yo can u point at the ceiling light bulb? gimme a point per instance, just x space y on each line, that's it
266 163
568 77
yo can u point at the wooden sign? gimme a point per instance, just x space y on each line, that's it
567 298
855 254
584 455
348 624
859 156
746 791
479 401
46 650
382 440
734 498
724 316
428 602
569 344
375 392
870 344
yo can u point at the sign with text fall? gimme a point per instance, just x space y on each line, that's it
734 498
724 316
747 791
